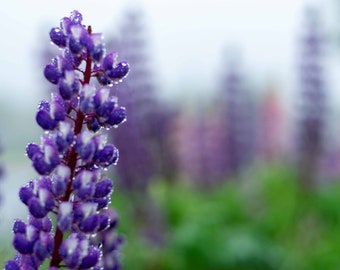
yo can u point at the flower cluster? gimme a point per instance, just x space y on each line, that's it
313 100
71 159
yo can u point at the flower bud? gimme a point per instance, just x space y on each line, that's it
103 188
45 120
117 117
119 72
65 216
55 70
106 156
19 226
77 39
60 179
86 102
43 247
109 61
64 137
57 37
32 149
84 146
76 17
91 259
12 265
25 194
69 85
69 251
84 185
96 47
41 224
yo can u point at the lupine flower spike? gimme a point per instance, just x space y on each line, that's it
313 99
72 188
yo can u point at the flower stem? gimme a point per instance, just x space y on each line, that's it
71 162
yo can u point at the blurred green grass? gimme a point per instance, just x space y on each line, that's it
263 222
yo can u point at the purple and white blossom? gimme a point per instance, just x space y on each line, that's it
72 188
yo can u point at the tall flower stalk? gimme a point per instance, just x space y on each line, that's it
138 139
72 188
313 99
238 110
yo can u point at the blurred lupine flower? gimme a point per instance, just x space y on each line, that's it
272 129
198 136
312 98
238 113
71 159
143 138
140 139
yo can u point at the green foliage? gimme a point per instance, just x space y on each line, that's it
266 222
6 250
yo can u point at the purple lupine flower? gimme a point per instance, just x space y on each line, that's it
237 119
71 158
142 138
143 132
199 153
312 98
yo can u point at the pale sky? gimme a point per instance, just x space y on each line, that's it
187 38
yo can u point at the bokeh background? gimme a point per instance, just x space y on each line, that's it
230 158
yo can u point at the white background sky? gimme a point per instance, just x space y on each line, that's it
188 38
